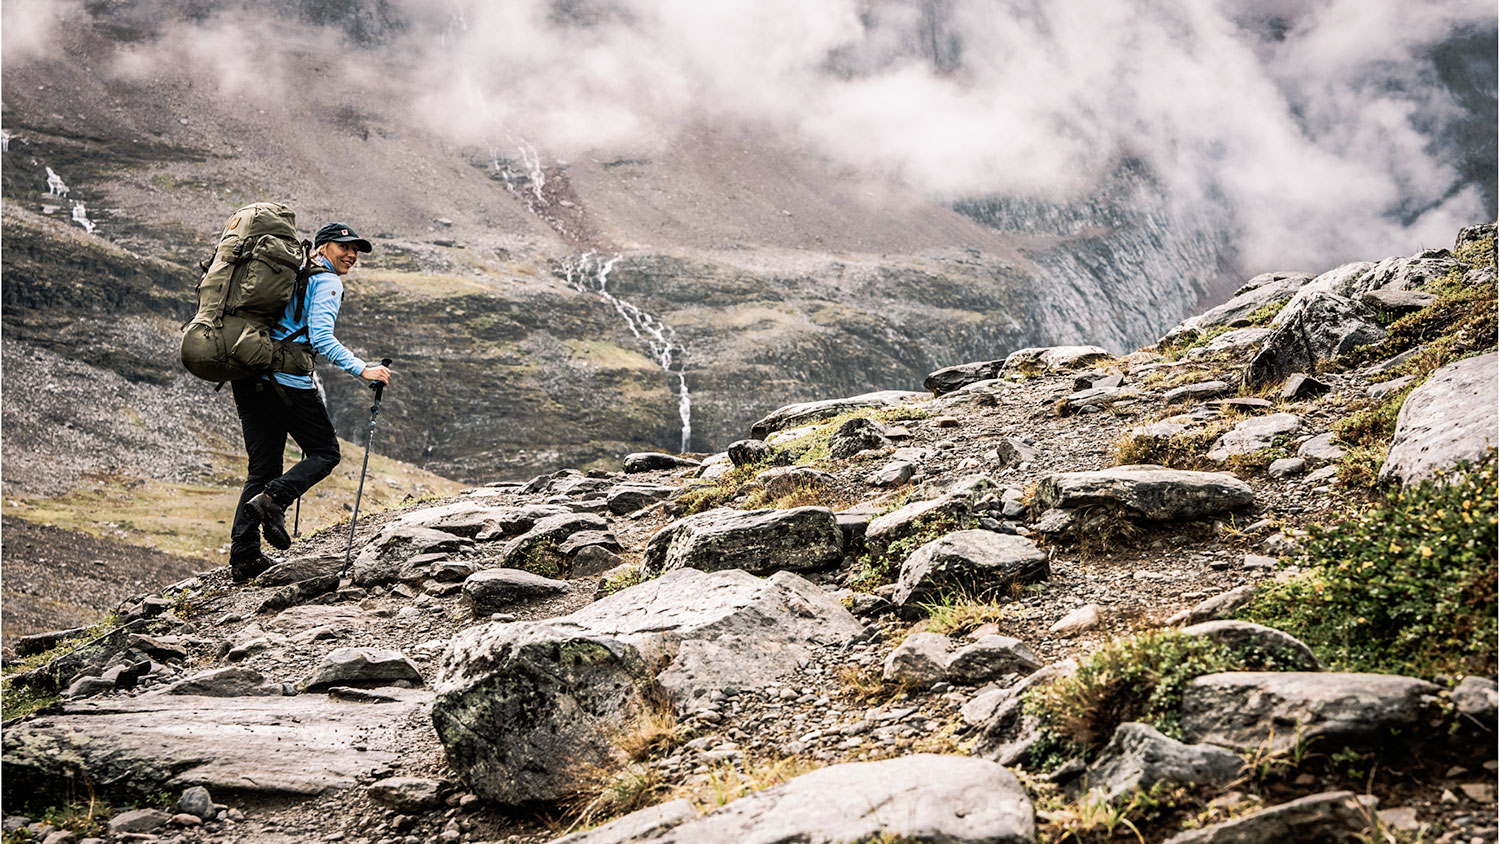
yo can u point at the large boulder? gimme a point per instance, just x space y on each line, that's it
793 415
1242 709
1448 420
515 699
951 378
545 536
1413 272
978 562
628 498
1323 327
907 519
1055 358
1150 491
1139 756
1254 295
759 541
917 798
854 436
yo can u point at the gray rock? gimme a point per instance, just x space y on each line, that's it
1336 817
549 532
1385 388
1322 449
758 541
593 559
37 643
1396 274
88 686
1257 293
478 520
856 435
1254 434
363 666
921 797
1246 709
1005 731
749 452
299 593
628 498
87 658
1476 233
1286 467
980 562
1236 344
990 658
1216 607
803 413
905 520
785 480
894 473
918 661
1014 451
583 539
407 794
302 568
520 696
1302 386
951 378
1139 756
1477 700
138 821
1055 358
1244 404
1080 620
494 590
1097 380
1449 419
1398 302
1268 641
654 461
1196 392
1151 491
451 571
379 562
1325 326
197 802
233 681
291 745
637 826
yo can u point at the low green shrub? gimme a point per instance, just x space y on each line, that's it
1407 586
1136 679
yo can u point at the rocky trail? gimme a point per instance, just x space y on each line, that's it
870 621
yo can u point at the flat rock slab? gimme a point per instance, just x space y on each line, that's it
1331 816
1254 434
1243 709
1055 358
300 745
652 461
492 590
951 378
802 413
1448 420
918 798
1151 491
363 666
758 541
471 518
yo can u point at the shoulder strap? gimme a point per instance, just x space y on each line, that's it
308 269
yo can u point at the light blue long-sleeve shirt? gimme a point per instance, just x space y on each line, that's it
325 291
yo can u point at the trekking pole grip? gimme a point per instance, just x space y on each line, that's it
379 386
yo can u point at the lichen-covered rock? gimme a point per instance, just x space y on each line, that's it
1323 327
1055 358
1151 491
802 413
856 435
1139 756
547 534
1448 420
1254 295
1245 709
749 452
381 559
980 562
918 798
1254 434
759 541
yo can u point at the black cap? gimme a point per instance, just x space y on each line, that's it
340 233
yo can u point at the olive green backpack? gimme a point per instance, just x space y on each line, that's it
258 267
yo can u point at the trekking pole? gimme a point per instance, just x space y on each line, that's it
379 389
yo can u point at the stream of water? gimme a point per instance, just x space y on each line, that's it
589 273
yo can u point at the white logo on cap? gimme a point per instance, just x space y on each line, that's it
343 231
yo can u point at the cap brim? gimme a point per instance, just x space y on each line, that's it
360 244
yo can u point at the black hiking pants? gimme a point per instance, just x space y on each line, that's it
267 416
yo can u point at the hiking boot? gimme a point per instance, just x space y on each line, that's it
241 571
272 521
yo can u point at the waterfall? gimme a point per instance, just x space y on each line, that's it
590 274
57 187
